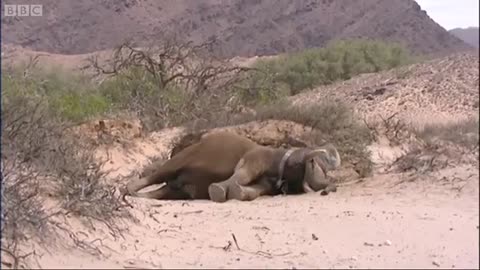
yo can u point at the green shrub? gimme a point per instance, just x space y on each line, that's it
340 60
69 97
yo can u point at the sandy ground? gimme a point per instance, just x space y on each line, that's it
369 225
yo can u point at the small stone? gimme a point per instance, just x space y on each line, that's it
354 258
436 263
387 243
324 252
314 237
368 244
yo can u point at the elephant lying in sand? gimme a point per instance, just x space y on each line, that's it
224 165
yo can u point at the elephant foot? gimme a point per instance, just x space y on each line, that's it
217 192
328 189
238 192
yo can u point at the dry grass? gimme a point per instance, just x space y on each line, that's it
464 133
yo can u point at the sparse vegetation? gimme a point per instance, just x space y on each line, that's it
176 81
435 145
293 73
464 133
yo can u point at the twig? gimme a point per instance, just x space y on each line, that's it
260 253
16 258
235 240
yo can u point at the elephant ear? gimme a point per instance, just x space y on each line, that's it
314 175
327 156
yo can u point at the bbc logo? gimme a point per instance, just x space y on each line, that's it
23 10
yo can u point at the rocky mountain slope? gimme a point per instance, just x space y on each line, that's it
242 27
469 35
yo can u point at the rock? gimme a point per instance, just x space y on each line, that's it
387 243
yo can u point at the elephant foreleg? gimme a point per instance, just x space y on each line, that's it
264 186
231 189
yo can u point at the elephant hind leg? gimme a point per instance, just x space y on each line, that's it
155 176
164 193
152 167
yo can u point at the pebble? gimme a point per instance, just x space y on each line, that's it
387 243
436 263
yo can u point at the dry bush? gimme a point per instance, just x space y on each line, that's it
24 215
437 146
40 159
80 185
168 84
391 128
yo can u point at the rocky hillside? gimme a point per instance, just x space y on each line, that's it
441 90
242 27
469 35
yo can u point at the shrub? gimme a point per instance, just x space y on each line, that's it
67 96
169 84
340 60
39 158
